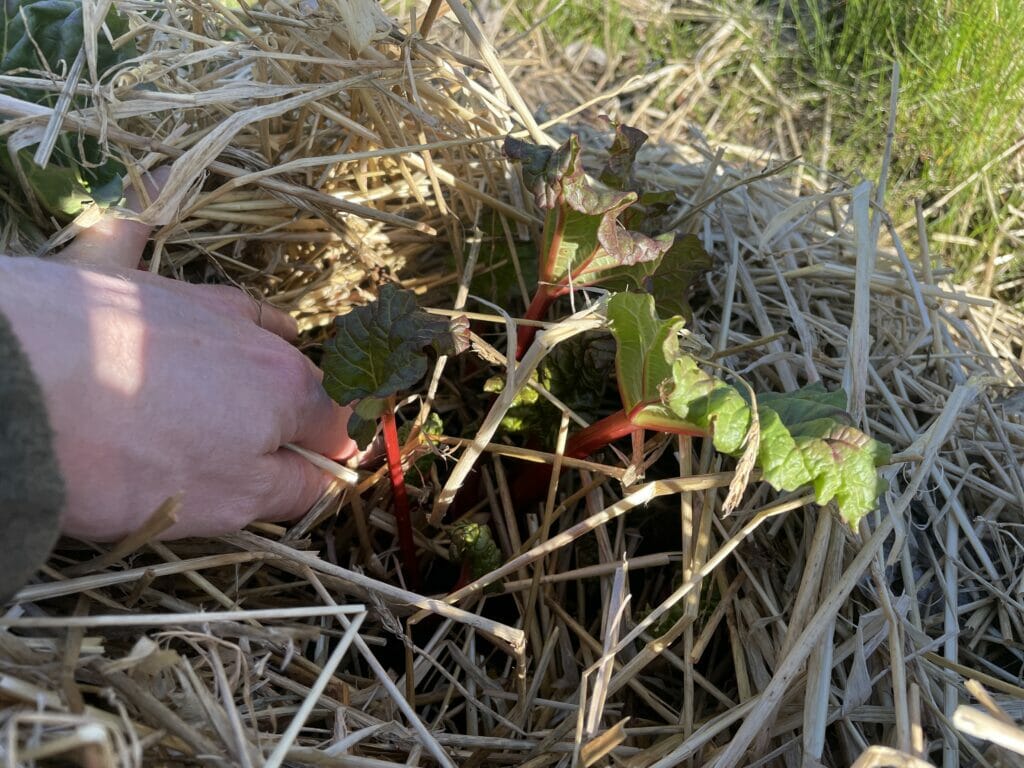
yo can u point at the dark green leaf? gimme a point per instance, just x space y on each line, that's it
473 544
807 404
362 424
380 349
47 36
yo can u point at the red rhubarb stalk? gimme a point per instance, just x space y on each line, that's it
533 482
403 519
542 299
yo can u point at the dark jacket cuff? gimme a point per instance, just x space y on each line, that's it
31 487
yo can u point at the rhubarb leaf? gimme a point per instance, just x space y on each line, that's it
47 36
841 460
543 167
647 346
618 168
583 234
805 437
700 399
380 349
668 279
473 543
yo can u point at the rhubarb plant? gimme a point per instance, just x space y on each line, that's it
377 351
804 437
599 232
474 548
47 36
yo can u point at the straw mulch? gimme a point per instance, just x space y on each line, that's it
637 625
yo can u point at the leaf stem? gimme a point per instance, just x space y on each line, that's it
534 479
599 434
542 299
403 519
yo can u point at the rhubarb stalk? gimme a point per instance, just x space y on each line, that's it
403 519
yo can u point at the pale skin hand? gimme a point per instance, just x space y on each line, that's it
156 387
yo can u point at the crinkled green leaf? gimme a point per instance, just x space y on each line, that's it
620 246
47 35
707 402
647 346
805 437
781 460
380 349
473 543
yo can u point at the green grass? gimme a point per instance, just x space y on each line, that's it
962 69
961 102
619 31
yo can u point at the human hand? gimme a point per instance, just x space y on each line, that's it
155 387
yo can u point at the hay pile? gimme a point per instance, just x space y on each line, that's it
303 173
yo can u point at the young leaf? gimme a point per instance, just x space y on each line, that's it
380 349
473 543
542 167
618 169
696 397
582 234
647 346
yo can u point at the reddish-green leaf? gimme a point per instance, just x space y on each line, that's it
618 168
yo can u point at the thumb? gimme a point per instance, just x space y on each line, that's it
115 242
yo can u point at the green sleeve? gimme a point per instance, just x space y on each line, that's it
31 487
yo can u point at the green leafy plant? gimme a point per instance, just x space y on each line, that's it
579 372
47 36
804 437
600 233
473 546
595 233
377 351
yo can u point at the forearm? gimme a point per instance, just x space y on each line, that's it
31 488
